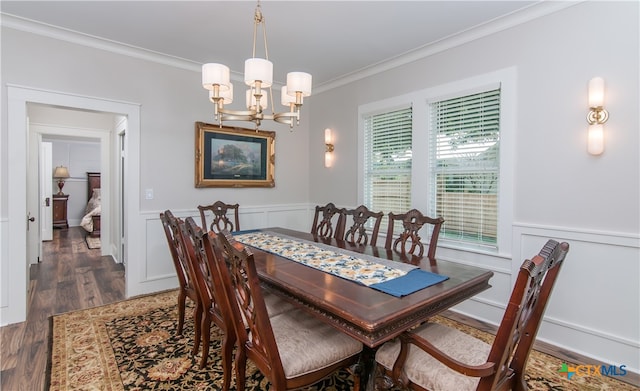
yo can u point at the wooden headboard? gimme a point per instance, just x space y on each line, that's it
93 179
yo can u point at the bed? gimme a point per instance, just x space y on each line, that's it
91 220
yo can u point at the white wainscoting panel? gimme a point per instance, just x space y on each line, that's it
157 270
594 309
595 306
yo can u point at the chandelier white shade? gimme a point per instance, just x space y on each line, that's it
258 70
215 74
258 75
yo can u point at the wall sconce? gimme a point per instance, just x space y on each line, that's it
597 116
61 173
328 148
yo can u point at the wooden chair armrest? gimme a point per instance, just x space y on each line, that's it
407 338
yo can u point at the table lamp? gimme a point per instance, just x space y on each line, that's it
61 173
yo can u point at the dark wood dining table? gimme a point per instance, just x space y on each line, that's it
368 315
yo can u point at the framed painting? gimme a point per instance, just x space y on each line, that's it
234 157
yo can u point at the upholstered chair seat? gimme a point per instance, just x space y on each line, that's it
276 305
427 372
307 345
435 357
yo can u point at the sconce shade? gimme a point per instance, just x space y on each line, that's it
328 139
595 141
596 92
328 148
61 172
328 159
596 117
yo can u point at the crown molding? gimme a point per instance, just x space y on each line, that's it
534 11
62 34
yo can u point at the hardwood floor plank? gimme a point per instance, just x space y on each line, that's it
69 277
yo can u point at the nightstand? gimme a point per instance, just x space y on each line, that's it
60 211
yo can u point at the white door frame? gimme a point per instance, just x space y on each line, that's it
45 168
14 272
103 137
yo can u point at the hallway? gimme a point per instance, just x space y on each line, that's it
70 277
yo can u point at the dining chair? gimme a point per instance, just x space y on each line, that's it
187 287
437 357
293 349
409 241
200 253
221 219
198 250
357 233
323 221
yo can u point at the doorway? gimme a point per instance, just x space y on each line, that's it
15 274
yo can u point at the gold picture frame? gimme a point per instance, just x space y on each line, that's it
234 157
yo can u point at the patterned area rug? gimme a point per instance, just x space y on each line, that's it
132 345
92 243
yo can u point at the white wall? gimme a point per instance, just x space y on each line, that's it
560 191
171 100
79 157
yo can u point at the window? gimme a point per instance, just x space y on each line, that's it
447 151
464 140
388 161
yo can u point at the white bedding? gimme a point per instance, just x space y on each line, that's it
93 208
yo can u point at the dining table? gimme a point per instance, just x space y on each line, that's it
369 315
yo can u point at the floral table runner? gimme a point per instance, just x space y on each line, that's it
395 278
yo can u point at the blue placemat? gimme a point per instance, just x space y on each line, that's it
411 282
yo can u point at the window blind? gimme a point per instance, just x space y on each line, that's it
387 165
464 162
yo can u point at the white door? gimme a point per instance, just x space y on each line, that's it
34 244
46 192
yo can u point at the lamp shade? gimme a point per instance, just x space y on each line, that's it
258 69
285 98
596 92
298 82
251 100
226 95
328 139
61 172
595 139
215 74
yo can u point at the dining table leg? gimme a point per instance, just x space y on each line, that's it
367 368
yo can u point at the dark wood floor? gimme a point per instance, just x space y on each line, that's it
69 277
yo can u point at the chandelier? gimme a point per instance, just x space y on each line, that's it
258 76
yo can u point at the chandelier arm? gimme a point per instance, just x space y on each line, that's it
256 93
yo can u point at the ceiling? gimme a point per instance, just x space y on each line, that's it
329 39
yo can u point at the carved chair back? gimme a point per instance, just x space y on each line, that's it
251 319
357 232
409 241
323 221
221 220
503 368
